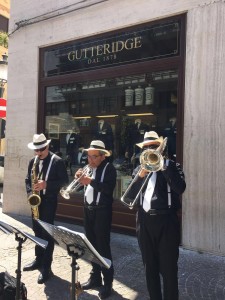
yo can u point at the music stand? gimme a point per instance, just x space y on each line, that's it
20 237
77 246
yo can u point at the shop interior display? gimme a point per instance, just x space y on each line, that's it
117 111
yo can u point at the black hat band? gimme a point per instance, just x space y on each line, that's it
97 147
149 139
39 143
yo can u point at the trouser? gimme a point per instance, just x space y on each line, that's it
47 210
97 224
158 238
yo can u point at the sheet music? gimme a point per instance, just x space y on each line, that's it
65 237
89 245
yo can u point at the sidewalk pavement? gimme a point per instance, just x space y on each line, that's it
201 276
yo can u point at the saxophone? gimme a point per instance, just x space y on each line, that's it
34 199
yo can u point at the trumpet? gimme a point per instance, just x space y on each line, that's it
150 160
75 184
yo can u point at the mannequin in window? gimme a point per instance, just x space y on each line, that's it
136 136
73 142
170 131
140 129
104 133
82 157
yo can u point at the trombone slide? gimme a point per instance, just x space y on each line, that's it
125 199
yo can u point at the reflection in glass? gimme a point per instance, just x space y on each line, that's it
77 113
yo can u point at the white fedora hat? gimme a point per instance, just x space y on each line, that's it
98 145
39 141
150 137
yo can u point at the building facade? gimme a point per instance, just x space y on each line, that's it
113 70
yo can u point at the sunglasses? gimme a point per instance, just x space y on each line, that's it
41 149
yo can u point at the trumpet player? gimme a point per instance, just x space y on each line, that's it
98 199
51 176
157 221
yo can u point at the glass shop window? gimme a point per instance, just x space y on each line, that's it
117 111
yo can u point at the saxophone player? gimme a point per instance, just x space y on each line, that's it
51 175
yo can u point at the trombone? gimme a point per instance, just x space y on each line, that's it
75 184
150 160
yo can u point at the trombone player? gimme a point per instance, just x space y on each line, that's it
157 223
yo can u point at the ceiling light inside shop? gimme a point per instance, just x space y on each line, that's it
84 117
141 114
107 116
58 118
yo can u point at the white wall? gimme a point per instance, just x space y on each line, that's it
203 220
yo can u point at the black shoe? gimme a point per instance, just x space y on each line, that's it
44 275
105 291
32 266
92 283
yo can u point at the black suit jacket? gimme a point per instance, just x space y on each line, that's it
57 177
105 135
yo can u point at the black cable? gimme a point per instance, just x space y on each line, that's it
27 22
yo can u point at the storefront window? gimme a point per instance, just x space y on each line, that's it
117 111
114 87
